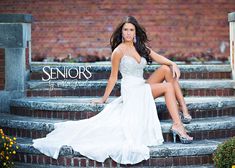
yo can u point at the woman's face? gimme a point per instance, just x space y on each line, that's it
128 32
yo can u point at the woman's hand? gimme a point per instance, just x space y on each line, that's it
175 71
98 101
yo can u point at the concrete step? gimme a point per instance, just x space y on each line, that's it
75 108
102 70
168 154
96 88
203 128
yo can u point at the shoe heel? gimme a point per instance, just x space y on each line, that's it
174 136
182 139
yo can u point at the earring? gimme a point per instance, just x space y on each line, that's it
134 39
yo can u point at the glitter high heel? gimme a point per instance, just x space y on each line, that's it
183 140
185 119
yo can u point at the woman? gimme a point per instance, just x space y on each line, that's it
125 128
129 39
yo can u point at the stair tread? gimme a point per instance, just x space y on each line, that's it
76 103
73 84
198 147
86 99
198 124
100 66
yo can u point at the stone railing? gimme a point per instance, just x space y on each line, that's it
15 38
231 19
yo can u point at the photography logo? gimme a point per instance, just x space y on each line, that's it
67 76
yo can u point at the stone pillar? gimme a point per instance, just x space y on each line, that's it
15 36
231 20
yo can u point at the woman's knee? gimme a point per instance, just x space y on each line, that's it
169 87
166 68
167 73
160 89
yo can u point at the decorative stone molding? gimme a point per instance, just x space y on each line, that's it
231 20
15 38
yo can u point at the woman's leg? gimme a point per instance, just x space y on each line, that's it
165 73
167 89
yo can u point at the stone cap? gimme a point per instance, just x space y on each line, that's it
231 17
16 18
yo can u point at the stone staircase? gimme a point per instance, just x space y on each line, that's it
209 94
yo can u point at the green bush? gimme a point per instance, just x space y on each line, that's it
224 156
8 149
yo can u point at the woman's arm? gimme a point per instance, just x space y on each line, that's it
162 60
115 61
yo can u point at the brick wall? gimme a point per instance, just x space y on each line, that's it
84 27
2 69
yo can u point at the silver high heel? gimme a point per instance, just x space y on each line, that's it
183 140
185 120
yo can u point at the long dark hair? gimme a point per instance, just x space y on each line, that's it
141 38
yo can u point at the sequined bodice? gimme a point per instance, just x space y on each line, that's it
130 66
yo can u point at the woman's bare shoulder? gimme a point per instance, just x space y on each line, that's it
117 52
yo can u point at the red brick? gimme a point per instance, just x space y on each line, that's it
98 164
158 161
61 161
46 160
83 162
91 163
75 161
2 69
29 158
190 160
68 161
176 161
40 159
57 32
113 164
53 161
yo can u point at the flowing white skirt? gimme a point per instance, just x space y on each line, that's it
123 130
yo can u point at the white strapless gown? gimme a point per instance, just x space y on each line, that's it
123 130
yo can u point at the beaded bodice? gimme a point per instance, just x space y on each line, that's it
130 67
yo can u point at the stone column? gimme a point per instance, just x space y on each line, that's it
231 20
15 35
